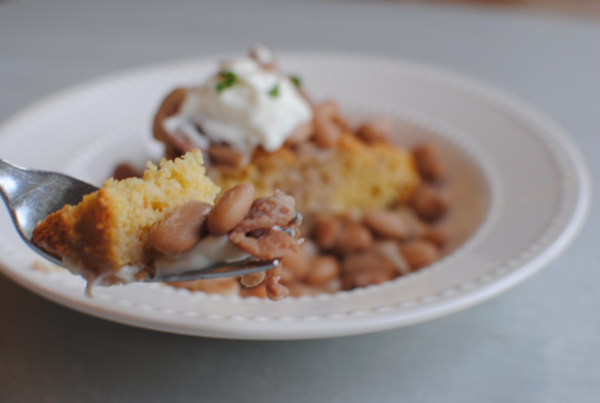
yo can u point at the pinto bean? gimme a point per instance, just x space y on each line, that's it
332 286
365 269
430 203
387 224
252 280
437 236
309 248
181 228
257 234
365 278
287 275
366 261
182 143
372 134
420 253
295 266
329 109
354 238
327 132
299 289
416 227
301 134
225 155
327 230
391 251
170 106
351 216
322 270
275 291
341 123
124 171
225 286
428 163
231 209
260 291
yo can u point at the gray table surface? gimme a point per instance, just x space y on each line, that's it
539 342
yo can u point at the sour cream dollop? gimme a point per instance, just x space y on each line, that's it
245 105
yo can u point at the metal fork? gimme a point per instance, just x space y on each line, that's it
31 195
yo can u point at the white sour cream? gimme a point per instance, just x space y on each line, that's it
210 250
125 275
262 107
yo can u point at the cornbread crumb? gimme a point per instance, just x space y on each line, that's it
111 227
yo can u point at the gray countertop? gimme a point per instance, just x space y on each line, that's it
539 342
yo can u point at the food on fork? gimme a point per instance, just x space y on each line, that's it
371 207
168 221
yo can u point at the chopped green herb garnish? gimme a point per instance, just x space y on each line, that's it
274 91
226 80
296 81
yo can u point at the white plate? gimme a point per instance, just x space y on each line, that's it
520 185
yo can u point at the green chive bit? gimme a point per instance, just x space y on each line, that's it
226 80
274 91
296 80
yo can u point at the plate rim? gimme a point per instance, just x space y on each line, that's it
467 83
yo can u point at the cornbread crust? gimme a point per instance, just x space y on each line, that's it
111 227
353 175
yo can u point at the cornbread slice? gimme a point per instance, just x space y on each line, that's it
353 175
111 227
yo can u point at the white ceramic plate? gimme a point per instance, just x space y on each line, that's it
521 191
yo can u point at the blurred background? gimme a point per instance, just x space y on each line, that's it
565 6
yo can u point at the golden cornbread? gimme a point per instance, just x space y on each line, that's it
111 227
353 175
